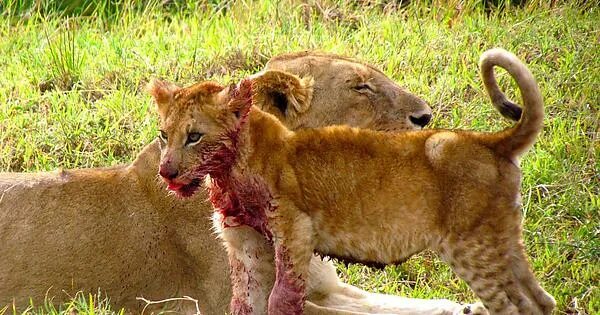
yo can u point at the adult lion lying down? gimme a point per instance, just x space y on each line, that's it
118 229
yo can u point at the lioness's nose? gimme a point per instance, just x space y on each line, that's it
421 120
168 172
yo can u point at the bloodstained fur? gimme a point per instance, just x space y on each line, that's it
238 305
288 297
243 199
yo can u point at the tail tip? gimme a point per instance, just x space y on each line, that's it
510 110
490 53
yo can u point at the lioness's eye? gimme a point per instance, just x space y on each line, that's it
363 87
193 137
163 136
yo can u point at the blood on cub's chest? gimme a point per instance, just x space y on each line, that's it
243 200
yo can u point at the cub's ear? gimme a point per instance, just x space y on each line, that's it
162 92
282 93
238 97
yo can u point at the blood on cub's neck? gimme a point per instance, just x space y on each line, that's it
239 195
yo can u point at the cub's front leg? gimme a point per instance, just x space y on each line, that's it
294 243
251 267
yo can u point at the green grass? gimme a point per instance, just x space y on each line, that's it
81 303
71 95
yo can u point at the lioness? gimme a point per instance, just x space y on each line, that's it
358 194
119 230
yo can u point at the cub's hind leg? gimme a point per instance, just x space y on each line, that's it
522 270
482 257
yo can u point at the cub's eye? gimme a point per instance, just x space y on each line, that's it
193 138
364 87
163 136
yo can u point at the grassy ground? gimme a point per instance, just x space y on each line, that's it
71 96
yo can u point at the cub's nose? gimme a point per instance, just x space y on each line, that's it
421 120
168 173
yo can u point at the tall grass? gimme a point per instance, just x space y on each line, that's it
66 60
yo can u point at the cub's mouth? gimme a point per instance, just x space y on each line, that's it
184 190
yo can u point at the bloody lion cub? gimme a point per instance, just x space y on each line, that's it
363 195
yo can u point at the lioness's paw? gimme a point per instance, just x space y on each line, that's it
473 309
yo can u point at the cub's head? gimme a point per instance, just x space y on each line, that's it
196 133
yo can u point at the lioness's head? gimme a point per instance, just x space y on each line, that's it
196 125
346 91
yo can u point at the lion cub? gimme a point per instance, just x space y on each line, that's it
364 195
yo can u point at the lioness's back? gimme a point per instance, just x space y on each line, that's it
64 216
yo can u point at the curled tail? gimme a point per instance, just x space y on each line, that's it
516 140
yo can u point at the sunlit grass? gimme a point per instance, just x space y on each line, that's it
80 303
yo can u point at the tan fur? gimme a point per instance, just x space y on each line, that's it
366 195
119 230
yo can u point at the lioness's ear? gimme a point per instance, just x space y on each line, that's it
162 92
282 93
